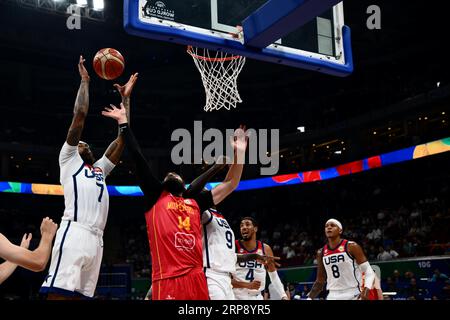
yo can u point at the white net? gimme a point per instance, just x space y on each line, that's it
219 73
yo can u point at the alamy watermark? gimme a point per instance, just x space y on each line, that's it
74 19
374 20
262 145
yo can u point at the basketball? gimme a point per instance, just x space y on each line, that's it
109 64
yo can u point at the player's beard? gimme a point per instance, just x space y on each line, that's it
88 157
174 186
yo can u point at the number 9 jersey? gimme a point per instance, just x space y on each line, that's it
218 243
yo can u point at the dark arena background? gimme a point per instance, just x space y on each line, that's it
393 110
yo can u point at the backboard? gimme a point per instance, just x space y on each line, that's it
322 43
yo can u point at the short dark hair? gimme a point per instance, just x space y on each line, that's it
255 224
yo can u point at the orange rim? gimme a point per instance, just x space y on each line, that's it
196 56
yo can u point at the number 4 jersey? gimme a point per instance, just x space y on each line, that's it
342 270
250 271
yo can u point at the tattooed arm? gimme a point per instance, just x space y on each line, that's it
115 149
81 107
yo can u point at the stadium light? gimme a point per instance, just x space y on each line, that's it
99 5
82 3
301 129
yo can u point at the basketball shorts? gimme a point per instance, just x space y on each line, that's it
349 294
76 261
191 286
219 285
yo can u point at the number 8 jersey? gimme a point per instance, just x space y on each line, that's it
342 270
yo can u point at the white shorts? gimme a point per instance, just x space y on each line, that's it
76 261
349 294
244 294
219 285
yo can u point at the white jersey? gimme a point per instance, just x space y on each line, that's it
219 253
249 271
341 268
85 193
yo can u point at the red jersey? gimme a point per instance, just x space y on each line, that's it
175 236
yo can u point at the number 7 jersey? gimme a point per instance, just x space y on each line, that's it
342 271
85 193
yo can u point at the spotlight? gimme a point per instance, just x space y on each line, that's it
82 3
99 5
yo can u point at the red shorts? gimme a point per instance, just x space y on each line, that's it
191 286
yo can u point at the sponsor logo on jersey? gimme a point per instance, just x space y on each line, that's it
334 259
341 249
184 241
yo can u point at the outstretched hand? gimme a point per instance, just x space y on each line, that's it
239 143
82 70
266 260
125 90
119 114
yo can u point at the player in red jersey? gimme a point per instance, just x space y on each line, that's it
173 220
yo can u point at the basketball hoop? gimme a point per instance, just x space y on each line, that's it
219 73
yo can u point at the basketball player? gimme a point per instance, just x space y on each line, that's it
35 260
339 264
78 249
173 221
219 255
250 276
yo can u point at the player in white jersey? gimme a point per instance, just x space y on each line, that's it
219 254
250 276
78 248
339 264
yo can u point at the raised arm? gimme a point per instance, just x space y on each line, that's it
81 107
7 268
234 174
115 149
320 279
32 260
150 185
199 183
